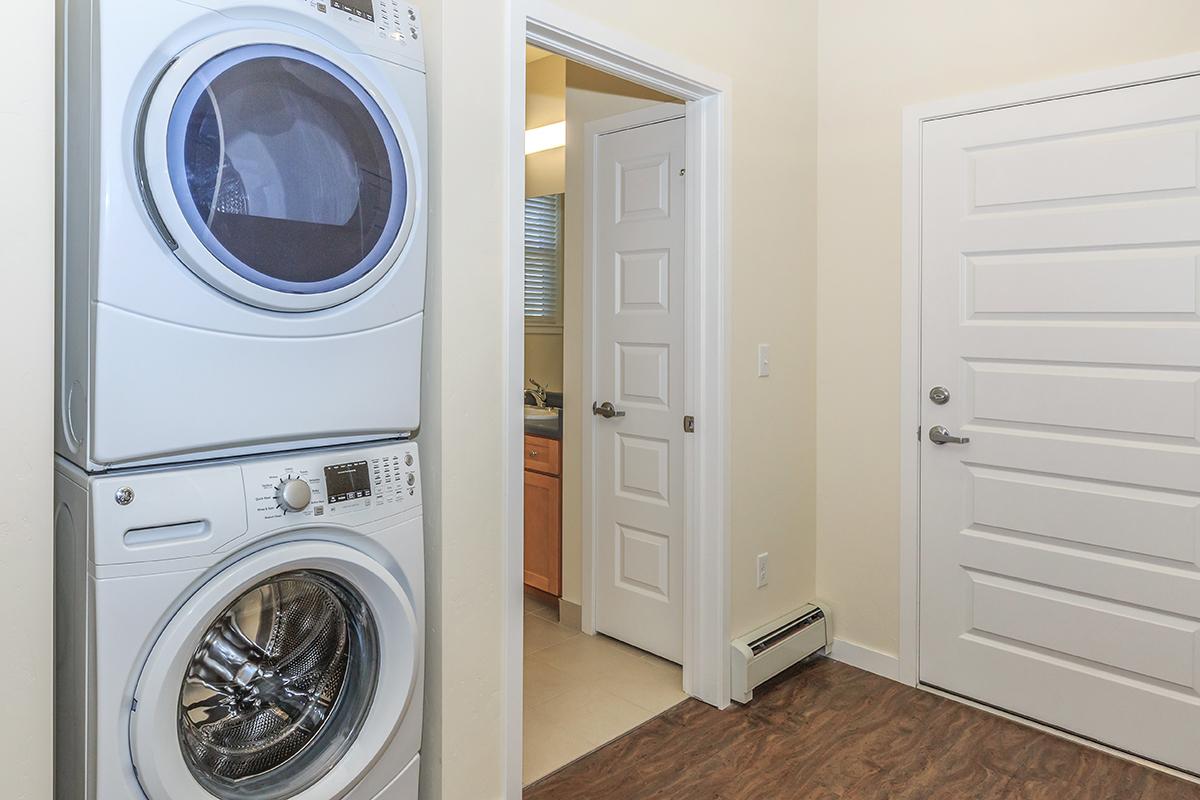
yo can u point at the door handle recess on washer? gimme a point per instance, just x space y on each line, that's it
939 435
606 410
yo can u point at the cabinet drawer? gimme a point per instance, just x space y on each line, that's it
542 455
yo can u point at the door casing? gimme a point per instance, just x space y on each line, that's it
911 394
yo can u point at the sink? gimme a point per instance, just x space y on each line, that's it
533 412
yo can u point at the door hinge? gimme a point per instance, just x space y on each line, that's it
918 433
689 424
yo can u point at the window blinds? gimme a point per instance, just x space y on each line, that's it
543 260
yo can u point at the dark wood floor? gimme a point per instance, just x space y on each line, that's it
826 731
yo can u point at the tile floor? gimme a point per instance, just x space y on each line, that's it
584 691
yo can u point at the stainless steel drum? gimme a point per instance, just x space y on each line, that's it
278 688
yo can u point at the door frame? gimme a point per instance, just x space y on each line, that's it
592 131
911 395
708 97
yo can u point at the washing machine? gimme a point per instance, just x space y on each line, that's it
242 629
243 219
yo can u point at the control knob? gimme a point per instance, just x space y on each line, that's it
293 495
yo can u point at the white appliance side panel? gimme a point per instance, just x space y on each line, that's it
76 212
164 390
74 702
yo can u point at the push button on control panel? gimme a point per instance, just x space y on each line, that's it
398 22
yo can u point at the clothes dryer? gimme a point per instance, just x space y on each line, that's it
243 227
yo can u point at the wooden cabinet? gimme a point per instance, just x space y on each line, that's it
543 455
543 515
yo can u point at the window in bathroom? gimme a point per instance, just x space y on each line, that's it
543 260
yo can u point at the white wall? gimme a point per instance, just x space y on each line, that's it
876 56
26 398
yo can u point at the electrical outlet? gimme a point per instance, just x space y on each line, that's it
762 569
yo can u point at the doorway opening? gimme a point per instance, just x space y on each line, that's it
703 581
604 313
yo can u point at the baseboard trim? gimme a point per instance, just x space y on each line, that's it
864 658
570 614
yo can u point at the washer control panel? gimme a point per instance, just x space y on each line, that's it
381 480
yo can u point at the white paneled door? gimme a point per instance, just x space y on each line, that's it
638 371
1061 315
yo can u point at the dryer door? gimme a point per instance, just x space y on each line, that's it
284 676
276 171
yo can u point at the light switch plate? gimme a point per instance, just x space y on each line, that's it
764 360
762 569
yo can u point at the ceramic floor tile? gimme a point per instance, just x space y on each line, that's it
583 691
547 747
545 612
653 685
542 633
587 657
588 712
544 682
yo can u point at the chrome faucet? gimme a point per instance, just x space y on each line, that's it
538 393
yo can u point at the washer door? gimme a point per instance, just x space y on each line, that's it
276 171
285 676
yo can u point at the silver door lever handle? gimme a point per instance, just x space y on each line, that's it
939 435
606 410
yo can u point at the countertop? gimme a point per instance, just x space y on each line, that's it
546 427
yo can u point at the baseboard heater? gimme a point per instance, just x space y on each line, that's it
767 651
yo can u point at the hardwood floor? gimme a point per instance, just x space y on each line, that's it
826 731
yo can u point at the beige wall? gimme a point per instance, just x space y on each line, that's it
545 173
876 56
590 95
26 400
463 744
773 289
544 358
545 104
773 292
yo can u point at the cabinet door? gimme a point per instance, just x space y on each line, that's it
543 533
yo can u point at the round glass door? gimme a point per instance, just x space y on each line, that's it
279 687
286 169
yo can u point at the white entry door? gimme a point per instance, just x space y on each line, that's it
1061 313
638 367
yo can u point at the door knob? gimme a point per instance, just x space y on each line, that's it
606 410
939 435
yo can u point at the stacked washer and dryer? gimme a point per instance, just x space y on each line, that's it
239 558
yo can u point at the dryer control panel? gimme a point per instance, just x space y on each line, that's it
388 29
365 482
